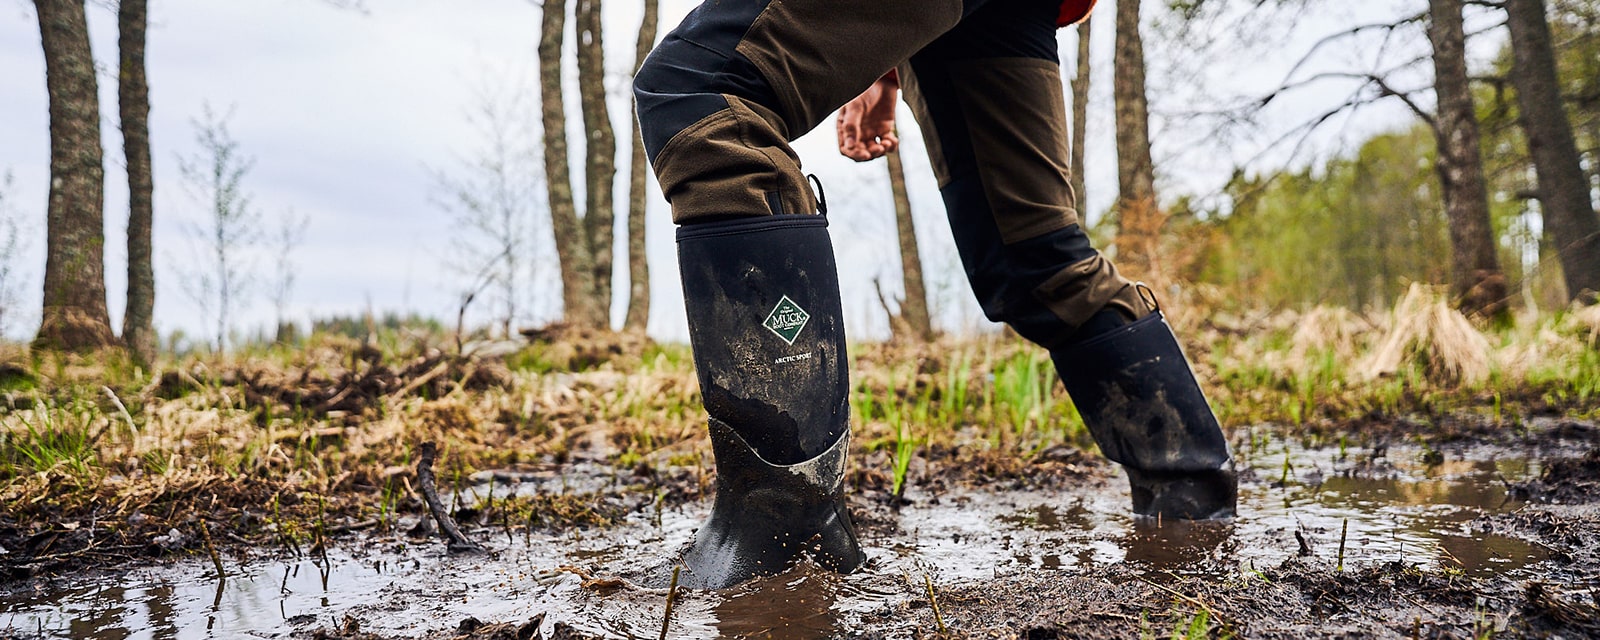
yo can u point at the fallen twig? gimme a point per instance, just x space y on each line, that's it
938 618
1343 533
423 379
455 542
672 596
1191 600
216 559
353 526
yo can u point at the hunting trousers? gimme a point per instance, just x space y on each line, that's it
722 96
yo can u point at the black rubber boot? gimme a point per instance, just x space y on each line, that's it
765 322
1140 400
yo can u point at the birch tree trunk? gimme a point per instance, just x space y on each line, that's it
600 153
1138 219
572 246
1476 280
133 105
74 316
1569 215
638 318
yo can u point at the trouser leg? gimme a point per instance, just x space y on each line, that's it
724 93
719 100
988 98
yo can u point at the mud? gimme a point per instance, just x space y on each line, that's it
1470 538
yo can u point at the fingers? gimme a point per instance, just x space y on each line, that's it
862 138
850 133
891 141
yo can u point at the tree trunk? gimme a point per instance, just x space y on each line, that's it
74 316
600 153
133 103
1138 218
914 307
1475 277
638 181
1563 191
572 248
1080 122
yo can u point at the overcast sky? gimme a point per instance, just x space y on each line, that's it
349 117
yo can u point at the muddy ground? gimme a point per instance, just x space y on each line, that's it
1477 533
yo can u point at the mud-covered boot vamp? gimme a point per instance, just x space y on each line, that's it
767 516
1141 402
1189 495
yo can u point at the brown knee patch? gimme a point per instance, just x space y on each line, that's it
817 55
1085 287
1016 116
736 161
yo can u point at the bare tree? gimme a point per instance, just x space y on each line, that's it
491 200
600 152
914 305
289 235
1475 275
228 226
1563 190
133 104
1476 279
74 313
638 317
1139 219
1080 120
572 246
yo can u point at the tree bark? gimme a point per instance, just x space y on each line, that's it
133 104
1476 280
1138 218
1080 122
638 318
600 153
1563 191
914 306
74 315
572 247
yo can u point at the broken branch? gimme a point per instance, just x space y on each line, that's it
455 541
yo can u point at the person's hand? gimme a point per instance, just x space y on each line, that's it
866 124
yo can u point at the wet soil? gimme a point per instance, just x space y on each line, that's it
1407 538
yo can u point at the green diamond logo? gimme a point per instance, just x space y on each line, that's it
786 320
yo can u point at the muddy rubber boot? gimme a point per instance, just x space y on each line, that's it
1143 406
767 329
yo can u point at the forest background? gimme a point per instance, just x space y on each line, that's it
391 159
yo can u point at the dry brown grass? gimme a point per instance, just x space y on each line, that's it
1426 329
274 441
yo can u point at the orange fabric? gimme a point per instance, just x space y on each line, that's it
1074 11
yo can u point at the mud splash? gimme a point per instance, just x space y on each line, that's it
1408 504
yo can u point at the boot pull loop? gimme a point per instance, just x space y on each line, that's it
1148 296
822 198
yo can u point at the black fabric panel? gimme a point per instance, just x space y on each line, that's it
686 75
1003 276
1000 29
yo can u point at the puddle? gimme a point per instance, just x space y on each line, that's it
1396 507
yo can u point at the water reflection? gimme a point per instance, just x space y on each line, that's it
798 604
1395 507
1172 544
1386 505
